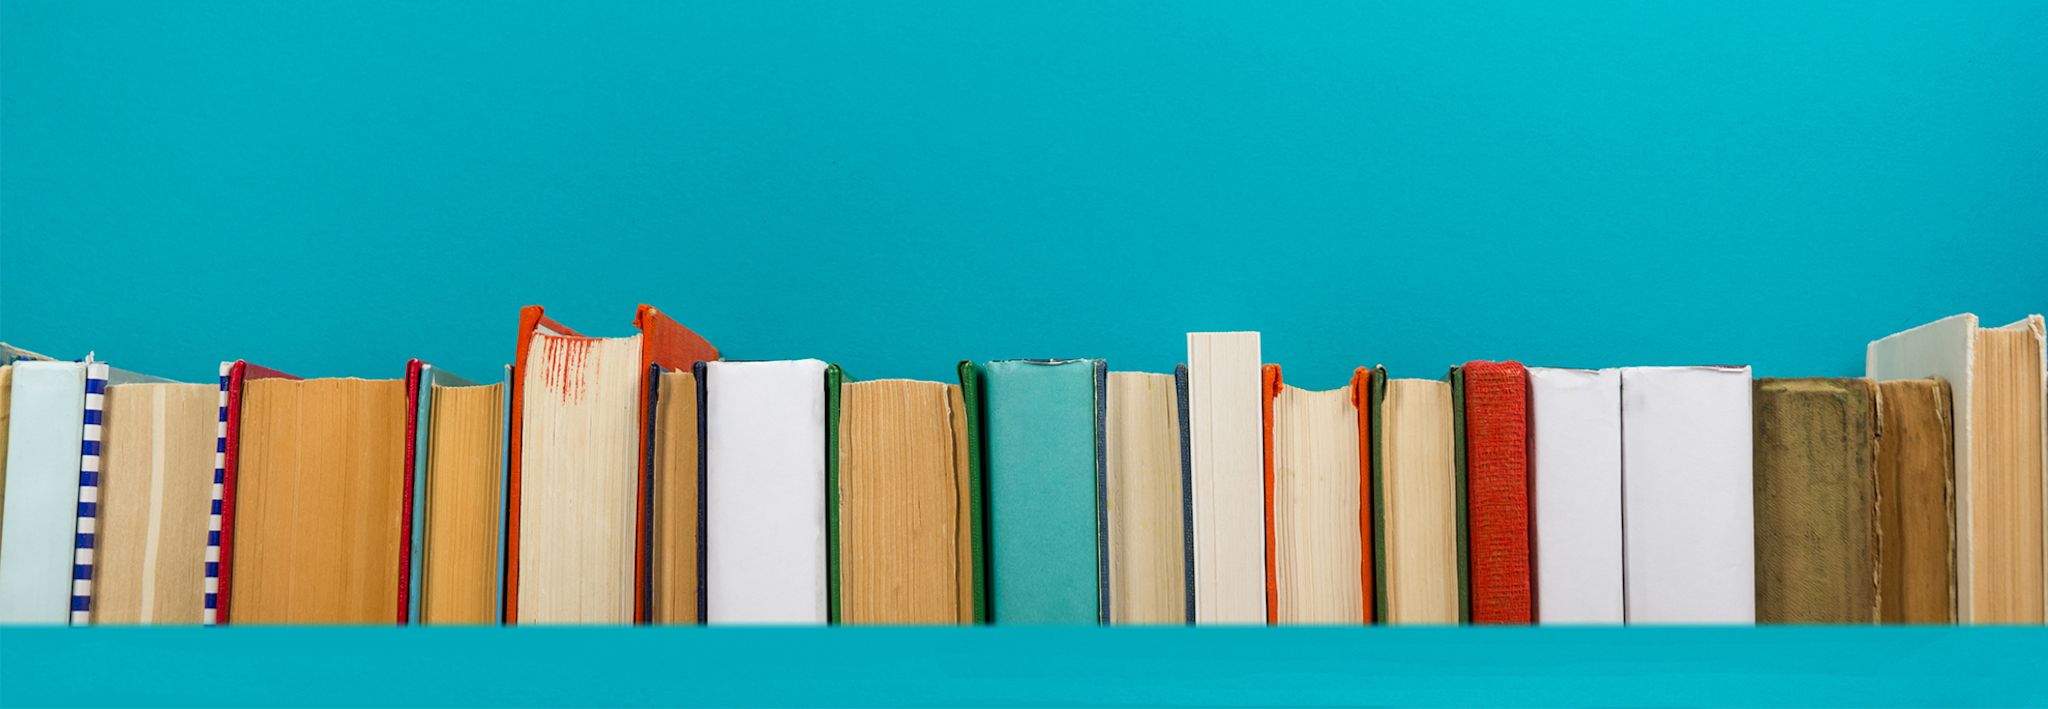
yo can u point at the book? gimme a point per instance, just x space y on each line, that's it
1318 524
456 509
903 549
1044 468
676 580
1494 411
155 491
1996 381
1687 495
764 501
1915 502
1575 464
1816 442
1146 501
6 393
1226 455
38 542
220 548
588 561
1415 503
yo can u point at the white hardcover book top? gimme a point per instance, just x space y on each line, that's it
764 449
1689 533
46 413
1227 453
1575 452
1945 348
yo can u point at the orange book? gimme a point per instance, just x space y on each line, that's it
1318 467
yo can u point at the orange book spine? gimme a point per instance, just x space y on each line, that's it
1269 376
1361 394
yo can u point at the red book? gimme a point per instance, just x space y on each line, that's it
1497 481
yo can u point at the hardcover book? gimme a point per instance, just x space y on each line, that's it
455 510
1494 411
764 466
1150 541
1687 494
154 493
1915 502
228 432
1227 460
1575 461
47 411
1043 432
676 584
1318 524
1415 503
903 550
1816 501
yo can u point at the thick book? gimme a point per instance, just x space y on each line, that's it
1687 493
764 453
902 546
674 580
1318 451
1416 508
1997 383
1575 464
1915 502
1816 443
1145 445
1493 407
220 548
1043 437
47 411
454 512
1227 460
155 490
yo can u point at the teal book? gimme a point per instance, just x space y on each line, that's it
37 530
1042 462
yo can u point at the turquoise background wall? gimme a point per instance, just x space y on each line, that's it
330 188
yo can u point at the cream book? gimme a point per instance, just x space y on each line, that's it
1687 489
579 471
155 494
900 502
1416 503
1146 444
764 502
1228 464
1996 383
1319 572
1576 470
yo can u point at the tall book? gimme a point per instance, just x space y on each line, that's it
1318 450
1419 573
9 354
235 378
1575 462
1687 494
1493 411
155 490
1227 459
453 558
674 583
47 408
1816 443
764 497
1044 467
580 486
900 492
1997 381
1915 502
1146 502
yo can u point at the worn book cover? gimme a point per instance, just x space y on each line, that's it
1816 501
1916 502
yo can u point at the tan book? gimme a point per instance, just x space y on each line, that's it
1915 502
902 495
1816 500
464 504
677 482
1999 390
1318 543
1417 501
1147 505
578 496
319 501
155 491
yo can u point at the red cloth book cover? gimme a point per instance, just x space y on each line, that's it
1497 491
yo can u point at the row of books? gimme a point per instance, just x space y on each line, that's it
646 479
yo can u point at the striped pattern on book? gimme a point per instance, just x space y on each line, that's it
220 473
88 491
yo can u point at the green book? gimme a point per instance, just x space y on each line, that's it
1042 462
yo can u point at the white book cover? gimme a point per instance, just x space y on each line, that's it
1689 533
764 449
1575 451
37 532
1227 450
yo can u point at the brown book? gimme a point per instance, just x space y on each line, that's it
319 501
676 484
904 551
1915 502
1816 500
155 491
465 471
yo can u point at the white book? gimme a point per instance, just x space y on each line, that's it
1689 534
764 449
1227 455
46 412
1575 452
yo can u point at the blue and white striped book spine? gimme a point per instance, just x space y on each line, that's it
220 474
88 491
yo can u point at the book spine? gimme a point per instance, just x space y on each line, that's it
88 492
1497 491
